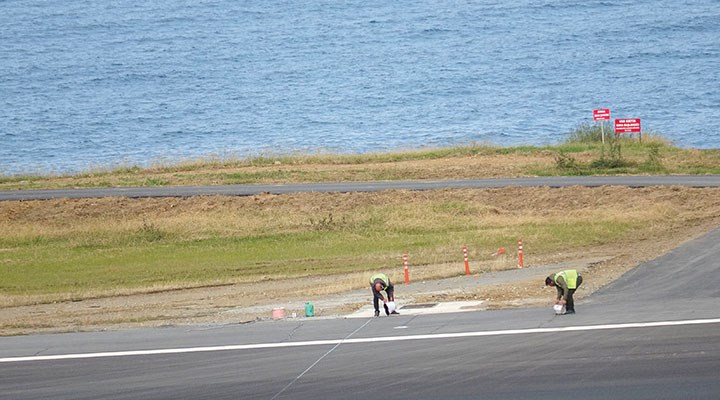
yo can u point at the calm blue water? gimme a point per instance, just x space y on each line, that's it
100 84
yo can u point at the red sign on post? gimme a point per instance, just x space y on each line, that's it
627 125
601 114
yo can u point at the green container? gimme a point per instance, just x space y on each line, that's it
309 309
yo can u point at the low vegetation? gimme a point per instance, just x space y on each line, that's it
63 249
583 153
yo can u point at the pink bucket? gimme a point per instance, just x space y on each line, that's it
278 313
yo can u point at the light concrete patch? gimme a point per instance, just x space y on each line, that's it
423 309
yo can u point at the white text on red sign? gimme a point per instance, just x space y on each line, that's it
627 125
601 114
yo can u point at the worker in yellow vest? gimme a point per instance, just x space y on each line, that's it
566 283
379 283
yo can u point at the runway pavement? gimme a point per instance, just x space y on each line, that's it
370 186
651 335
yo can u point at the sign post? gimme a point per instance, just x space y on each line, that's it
601 114
628 125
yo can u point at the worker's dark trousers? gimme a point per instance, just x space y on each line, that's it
570 306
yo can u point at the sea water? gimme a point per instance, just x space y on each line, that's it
99 84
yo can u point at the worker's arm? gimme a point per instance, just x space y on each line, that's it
562 288
378 295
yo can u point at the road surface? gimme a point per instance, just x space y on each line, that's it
372 186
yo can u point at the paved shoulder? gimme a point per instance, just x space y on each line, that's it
690 271
372 186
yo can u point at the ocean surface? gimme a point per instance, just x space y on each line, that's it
87 85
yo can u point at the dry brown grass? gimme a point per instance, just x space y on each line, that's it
458 163
499 209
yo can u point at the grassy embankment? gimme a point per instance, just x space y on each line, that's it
73 249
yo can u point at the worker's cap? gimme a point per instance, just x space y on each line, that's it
548 281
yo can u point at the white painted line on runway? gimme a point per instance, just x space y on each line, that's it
361 340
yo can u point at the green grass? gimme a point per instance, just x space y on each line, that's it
77 267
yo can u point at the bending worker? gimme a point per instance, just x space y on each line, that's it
566 283
379 282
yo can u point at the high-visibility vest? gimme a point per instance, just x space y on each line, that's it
382 277
570 276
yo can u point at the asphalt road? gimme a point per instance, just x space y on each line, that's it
654 334
373 186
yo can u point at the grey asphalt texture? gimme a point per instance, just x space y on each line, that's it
373 186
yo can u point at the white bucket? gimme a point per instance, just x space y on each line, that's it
559 309
391 306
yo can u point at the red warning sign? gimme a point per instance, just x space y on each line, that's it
600 114
627 125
